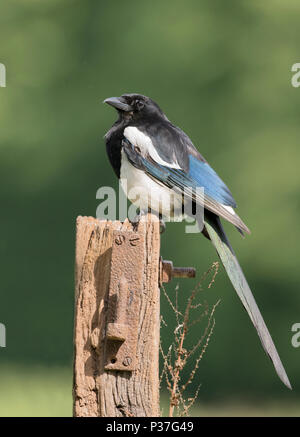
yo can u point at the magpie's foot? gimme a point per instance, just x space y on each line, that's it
135 222
162 226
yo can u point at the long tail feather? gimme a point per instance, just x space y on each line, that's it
218 237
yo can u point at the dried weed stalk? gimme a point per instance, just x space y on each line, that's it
177 356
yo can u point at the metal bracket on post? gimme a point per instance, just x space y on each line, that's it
124 300
167 271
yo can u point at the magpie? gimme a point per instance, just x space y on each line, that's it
145 149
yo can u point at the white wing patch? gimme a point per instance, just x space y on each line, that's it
229 209
139 139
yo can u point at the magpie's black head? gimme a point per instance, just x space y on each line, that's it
135 106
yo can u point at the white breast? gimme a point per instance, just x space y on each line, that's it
145 193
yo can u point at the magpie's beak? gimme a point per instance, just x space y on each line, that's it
118 103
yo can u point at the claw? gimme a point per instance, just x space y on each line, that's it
162 226
135 222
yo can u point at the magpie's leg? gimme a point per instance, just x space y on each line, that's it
135 222
162 225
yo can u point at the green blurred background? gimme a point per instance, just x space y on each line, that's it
222 72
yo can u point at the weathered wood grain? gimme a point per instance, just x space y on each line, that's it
96 391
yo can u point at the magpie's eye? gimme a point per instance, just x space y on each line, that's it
139 104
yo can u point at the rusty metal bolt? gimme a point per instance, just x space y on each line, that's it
119 240
168 271
134 241
184 272
127 361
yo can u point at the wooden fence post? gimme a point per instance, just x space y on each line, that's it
117 318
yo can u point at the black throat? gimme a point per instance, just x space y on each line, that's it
113 140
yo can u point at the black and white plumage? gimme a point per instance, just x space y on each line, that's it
167 147
146 150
